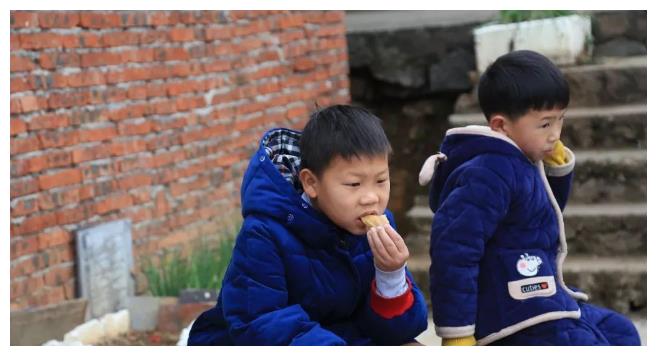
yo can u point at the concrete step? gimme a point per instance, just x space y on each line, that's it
611 127
591 230
609 176
618 283
615 82
610 81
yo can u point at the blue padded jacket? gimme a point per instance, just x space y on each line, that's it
497 238
295 278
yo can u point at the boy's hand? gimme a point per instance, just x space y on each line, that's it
558 156
388 247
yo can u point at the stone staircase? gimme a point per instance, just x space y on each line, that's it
606 217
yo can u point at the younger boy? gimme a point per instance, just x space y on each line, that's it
497 238
303 271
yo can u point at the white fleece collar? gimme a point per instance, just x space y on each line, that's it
481 130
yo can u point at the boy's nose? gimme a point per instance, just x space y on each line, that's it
369 198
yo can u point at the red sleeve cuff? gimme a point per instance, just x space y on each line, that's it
389 308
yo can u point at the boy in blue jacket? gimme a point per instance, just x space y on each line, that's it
305 269
497 239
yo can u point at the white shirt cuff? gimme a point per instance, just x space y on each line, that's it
391 284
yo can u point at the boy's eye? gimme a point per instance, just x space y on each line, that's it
545 125
382 180
352 184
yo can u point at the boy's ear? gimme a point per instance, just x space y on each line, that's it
309 181
498 123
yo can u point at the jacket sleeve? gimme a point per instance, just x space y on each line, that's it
255 298
476 200
392 321
560 178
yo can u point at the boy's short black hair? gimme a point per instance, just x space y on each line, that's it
520 81
341 130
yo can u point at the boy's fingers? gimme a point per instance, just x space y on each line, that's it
378 245
386 241
396 238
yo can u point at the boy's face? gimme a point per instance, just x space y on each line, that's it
350 189
535 133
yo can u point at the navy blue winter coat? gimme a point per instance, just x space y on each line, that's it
497 238
296 278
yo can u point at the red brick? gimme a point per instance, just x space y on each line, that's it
115 202
138 55
98 20
52 199
304 64
162 206
74 215
91 40
227 160
292 20
23 19
35 223
58 59
29 103
127 147
133 181
22 145
20 84
58 19
96 170
24 206
86 192
127 129
141 214
120 38
91 153
100 59
171 54
57 275
62 178
101 134
181 34
51 139
41 40
218 33
23 186
48 121
134 18
159 18
20 63
21 268
17 126
54 237
334 16
15 106
141 196
299 111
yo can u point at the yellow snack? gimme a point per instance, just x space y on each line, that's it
374 220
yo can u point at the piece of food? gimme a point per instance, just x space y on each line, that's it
374 220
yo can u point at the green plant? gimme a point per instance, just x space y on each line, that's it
169 272
508 16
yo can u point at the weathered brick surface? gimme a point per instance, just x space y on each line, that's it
152 116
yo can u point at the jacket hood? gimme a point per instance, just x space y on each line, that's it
462 144
271 188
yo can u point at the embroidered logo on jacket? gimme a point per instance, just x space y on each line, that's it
528 265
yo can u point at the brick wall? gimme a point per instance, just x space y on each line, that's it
150 116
